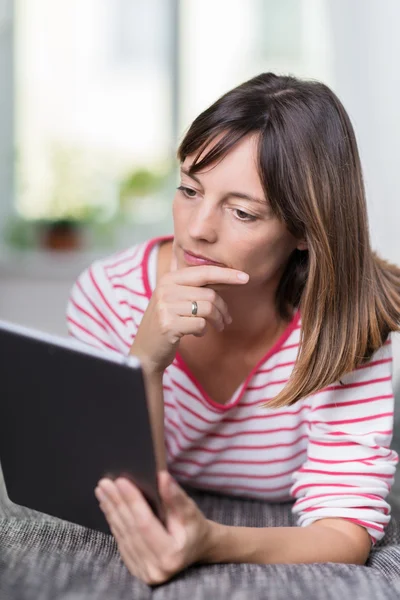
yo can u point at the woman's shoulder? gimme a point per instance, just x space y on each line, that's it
109 298
127 269
132 266
119 263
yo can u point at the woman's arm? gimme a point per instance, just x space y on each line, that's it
326 540
155 553
155 401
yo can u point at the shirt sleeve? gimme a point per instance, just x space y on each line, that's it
350 467
95 314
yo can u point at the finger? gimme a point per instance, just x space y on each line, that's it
137 557
188 326
209 274
205 309
187 294
128 553
123 522
108 507
174 496
155 534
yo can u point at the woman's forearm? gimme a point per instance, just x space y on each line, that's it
155 402
315 543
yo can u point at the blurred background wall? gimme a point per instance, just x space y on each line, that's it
95 95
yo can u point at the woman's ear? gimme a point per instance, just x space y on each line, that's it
302 245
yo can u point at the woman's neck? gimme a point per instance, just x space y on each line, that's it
255 319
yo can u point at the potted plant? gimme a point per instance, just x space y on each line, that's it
74 201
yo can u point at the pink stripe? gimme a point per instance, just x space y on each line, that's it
102 315
242 419
195 414
204 432
89 333
125 273
249 475
124 260
306 486
238 462
384 432
365 524
188 392
314 508
353 402
231 487
278 366
338 462
288 347
343 473
355 384
230 448
334 444
145 261
359 420
375 363
264 385
259 402
132 306
85 312
119 286
277 413
178 429
106 302
313 497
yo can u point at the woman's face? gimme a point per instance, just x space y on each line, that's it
221 214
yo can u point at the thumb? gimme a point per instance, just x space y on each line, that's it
171 492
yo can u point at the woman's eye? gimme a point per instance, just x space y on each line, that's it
187 191
244 216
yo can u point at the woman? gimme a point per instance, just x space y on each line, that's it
263 330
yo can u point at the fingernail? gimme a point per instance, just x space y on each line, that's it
242 276
100 494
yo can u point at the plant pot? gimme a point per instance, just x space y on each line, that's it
61 236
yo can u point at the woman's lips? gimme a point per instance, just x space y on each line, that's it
191 259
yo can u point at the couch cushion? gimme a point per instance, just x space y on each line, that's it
48 559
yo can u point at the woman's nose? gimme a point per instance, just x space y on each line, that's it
203 222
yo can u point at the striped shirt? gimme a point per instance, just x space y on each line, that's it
330 451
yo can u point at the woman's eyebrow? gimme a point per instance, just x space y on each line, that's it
235 194
186 172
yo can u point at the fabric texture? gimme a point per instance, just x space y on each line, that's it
330 451
43 558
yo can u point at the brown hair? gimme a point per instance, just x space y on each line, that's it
310 169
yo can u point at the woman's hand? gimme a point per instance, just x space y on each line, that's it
169 314
150 551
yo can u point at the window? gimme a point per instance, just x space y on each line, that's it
102 88
93 100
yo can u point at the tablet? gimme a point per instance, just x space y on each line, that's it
69 415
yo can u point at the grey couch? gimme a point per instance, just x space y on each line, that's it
42 558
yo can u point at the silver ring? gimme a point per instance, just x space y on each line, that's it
194 308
